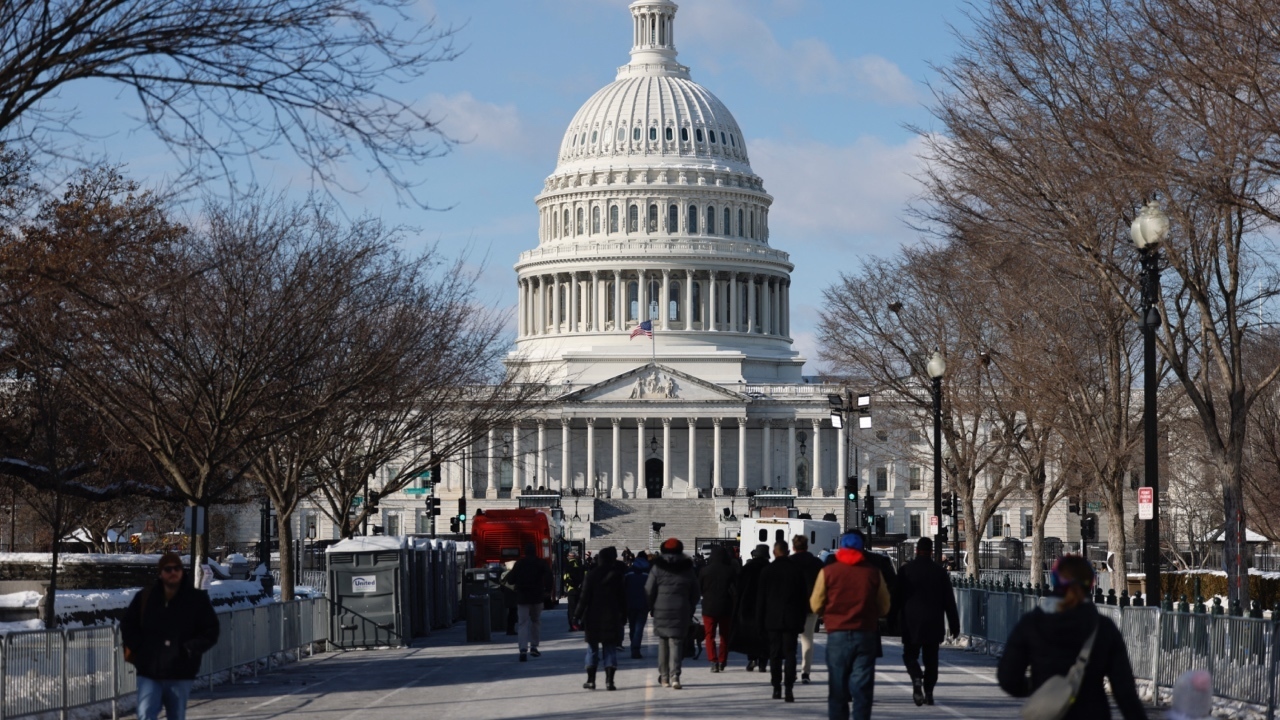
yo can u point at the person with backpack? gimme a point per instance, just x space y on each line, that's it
717 582
672 592
168 626
601 611
1069 648
637 601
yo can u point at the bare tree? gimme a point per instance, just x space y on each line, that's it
220 82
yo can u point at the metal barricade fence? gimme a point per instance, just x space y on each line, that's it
1140 627
47 671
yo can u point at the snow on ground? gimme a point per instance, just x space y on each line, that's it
226 594
82 558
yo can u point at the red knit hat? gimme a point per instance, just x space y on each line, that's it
672 545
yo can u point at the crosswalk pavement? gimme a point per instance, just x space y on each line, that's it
444 678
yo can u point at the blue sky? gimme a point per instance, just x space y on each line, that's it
820 88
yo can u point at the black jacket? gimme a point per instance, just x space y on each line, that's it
888 624
925 594
602 608
530 578
809 565
672 591
1048 644
717 582
167 639
783 596
748 636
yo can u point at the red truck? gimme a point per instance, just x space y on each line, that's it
499 537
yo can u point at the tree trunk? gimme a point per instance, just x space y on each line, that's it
972 539
1038 513
1117 542
1233 538
48 603
284 531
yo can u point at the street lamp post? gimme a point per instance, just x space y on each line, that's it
1147 230
937 367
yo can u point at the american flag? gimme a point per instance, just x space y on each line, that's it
645 328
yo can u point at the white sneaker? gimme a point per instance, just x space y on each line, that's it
675 685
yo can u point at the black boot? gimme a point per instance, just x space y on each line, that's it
787 695
608 679
590 684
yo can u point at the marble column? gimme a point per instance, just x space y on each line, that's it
573 303
713 307
786 309
666 456
639 456
517 477
597 312
693 457
566 477
751 303
491 474
555 305
766 453
688 299
766 309
520 308
540 473
732 315
591 455
618 299
841 461
664 310
817 456
790 474
615 485
742 452
715 476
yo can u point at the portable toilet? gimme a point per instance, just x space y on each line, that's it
368 585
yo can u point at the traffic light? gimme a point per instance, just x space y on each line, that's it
433 505
1073 504
869 510
942 535
454 525
851 489
1089 527
948 504
462 509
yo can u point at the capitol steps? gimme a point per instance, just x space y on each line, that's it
627 523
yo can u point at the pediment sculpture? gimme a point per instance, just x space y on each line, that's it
654 384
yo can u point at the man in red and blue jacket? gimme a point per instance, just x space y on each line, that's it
852 596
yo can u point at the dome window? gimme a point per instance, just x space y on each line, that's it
722 142
673 219
583 139
673 301
653 134
579 223
593 137
655 292
727 219
739 222
652 225
698 134
693 219
713 137
711 221
622 134
633 300
697 302
732 141
669 134
633 218
635 134
595 220
684 134
613 218
566 222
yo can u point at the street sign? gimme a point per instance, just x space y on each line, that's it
415 491
933 525
193 516
357 501
1146 503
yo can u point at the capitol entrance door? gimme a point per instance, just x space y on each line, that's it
653 478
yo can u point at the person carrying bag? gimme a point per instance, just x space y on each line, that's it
1065 681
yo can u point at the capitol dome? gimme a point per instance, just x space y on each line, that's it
653 213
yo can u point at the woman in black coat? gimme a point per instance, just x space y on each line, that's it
1048 640
602 612
749 637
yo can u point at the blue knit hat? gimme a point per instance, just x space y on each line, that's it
851 541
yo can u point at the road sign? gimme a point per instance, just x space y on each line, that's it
415 491
357 501
933 525
1146 503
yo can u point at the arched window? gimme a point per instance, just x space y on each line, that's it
613 218
693 219
653 218
712 133
633 300
583 140
740 225
684 134
580 229
622 134
673 219
655 292
551 222
653 134
595 220
673 300
668 135
635 134
698 134
727 223
566 222
722 137
633 219
697 302
610 301
711 221
732 140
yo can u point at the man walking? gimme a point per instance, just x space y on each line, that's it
637 601
717 582
783 605
672 591
809 566
851 595
166 630
531 580
926 596
572 579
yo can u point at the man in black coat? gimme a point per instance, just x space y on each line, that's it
748 637
717 582
530 578
782 605
601 612
810 566
167 628
926 596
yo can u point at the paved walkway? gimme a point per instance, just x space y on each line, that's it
444 678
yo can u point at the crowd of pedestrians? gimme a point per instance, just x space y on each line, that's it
768 608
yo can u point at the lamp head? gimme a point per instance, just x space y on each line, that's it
937 366
1150 227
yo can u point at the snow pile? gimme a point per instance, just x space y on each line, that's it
365 544
27 599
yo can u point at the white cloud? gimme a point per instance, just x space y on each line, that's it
478 124
837 191
728 30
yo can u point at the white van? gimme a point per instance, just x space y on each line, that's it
822 534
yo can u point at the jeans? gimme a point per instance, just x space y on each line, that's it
851 673
670 657
172 694
782 653
806 642
637 619
709 624
910 651
530 631
597 652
